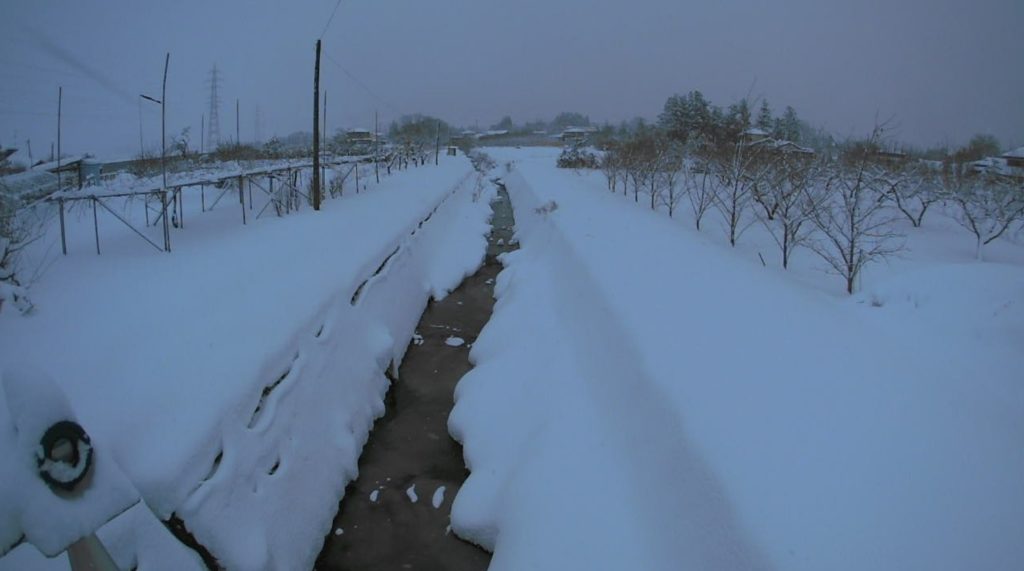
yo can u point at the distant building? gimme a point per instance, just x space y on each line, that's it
80 170
464 138
359 137
575 134
1010 164
760 139
1014 158
494 133
892 156
754 135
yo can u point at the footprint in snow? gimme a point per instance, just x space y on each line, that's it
438 498
455 341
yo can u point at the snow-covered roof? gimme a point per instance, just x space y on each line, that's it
1017 153
28 183
64 162
754 131
496 132
790 146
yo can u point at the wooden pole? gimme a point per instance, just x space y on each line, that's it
63 235
437 143
142 149
241 197
316 130
376 147
167 227
60 99
96 226
163 125
323 168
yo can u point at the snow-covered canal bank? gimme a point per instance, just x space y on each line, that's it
645 399
236 379
395 515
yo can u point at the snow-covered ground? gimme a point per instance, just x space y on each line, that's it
646 397
235 380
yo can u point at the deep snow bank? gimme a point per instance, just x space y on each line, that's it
691 411
236 380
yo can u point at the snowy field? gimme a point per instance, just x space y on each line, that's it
235 380
646 397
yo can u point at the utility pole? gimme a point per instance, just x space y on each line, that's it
142 149
316 130
323 168
376 147
437 143
60 98
163 122
29 143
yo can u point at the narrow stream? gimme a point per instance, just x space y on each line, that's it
396 514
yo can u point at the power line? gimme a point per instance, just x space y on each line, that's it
331 19
366 88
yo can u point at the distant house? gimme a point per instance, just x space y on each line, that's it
574 135
464 138
494 133
80 170
753 136
791 147
760 139
359 137
1014 158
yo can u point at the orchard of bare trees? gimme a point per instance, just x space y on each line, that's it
840 201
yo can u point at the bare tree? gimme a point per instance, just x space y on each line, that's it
738 169
856 226
793 188
913 187
640 155
988 204
670 170
700 190
612 165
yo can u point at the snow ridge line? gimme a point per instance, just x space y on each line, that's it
645 429
385 263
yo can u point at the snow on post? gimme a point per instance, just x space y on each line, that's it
59 484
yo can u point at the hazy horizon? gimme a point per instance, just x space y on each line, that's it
942 70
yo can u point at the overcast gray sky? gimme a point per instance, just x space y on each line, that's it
944 69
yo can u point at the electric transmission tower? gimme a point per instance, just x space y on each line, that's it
213 126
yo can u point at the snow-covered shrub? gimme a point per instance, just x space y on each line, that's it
15 234
577 157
